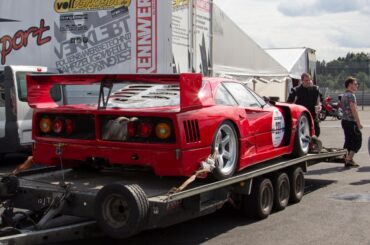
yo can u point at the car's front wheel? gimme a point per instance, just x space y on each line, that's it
225 145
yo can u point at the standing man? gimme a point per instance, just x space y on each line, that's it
351 122
307 94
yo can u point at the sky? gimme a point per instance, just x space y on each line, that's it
331 27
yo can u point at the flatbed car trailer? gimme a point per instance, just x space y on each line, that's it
62 205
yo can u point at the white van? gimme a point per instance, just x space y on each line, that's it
15 113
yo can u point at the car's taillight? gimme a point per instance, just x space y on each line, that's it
144 129
162 130
45 125
131 130
58 125
69 126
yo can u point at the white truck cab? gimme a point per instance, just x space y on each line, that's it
15 113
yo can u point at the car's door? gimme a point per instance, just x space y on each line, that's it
259 117
247 148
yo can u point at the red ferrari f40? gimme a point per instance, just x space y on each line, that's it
169 123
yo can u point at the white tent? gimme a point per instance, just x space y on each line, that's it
295 60
235 53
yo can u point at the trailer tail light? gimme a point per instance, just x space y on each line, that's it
144 129
162 131
58 126
45 125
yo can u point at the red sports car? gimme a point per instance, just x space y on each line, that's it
170 123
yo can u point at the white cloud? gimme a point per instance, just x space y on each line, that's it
331 27
317 7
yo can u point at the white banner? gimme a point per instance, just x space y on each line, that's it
78 36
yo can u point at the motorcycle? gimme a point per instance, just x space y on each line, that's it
329 108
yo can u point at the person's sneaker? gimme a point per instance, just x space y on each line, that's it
351 163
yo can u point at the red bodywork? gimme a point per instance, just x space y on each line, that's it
194 124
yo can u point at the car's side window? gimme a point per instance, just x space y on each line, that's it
242 95
223 97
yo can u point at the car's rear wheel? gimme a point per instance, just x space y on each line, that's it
302 136
225 145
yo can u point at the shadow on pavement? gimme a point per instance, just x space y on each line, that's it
361 182
339 168
315 184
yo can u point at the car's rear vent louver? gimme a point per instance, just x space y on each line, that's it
191 131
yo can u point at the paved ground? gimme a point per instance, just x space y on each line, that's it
334 210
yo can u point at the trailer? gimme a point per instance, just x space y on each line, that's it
50 205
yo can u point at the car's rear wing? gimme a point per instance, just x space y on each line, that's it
39 86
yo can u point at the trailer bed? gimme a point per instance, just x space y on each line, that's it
73 193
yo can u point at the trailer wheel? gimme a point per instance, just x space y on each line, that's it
225 143
296 185
302 137
259 203
121 210
282 191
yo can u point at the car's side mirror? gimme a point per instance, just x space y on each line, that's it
266 99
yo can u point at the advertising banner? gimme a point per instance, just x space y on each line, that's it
181 35
202 35
79 36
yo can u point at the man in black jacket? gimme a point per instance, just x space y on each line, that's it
307 95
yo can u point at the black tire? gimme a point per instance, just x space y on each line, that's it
281 191
296 178
302 137
121 210
339 114
259 203
226 144
322 115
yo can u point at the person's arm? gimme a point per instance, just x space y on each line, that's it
353 107
292 96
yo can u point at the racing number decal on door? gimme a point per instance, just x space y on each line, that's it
278 128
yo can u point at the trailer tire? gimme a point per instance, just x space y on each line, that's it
121 210
225 143
259 203
281 191
296 185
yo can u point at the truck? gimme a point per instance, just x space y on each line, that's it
54 205
15 113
